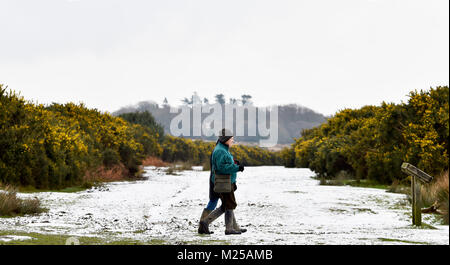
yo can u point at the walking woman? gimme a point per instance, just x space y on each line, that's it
222 162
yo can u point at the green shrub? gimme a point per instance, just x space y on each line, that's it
110 157
372 142
53 147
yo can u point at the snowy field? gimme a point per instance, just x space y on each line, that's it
277 205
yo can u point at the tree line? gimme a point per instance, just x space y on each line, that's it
292 118
198 152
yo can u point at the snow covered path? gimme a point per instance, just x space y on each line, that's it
277 205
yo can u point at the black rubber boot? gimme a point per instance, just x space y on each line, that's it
229 229
236 226
204 224
203 229
205 213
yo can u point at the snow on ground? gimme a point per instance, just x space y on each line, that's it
277 205
8 238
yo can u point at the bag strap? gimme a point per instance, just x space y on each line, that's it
211 164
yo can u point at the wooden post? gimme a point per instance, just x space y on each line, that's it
417 209
417 176
413 200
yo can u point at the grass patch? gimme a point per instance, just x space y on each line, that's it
205 242
337 210
353 182
401 240
343 178
367 184
11 205
85 186
51 239
67 190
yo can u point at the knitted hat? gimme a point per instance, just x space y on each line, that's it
225 135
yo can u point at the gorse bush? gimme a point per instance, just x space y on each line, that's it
373 141
54 146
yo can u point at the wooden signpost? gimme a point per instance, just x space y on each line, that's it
417 176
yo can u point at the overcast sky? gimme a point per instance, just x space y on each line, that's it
326 55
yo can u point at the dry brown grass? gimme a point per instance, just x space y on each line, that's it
437 193
11 205
118 172
106 174
154 161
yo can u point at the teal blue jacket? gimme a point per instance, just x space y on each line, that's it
223 162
